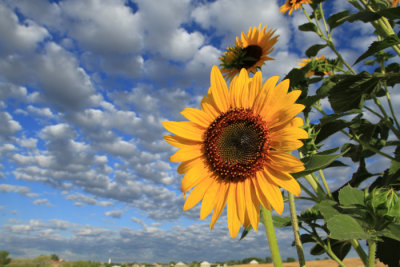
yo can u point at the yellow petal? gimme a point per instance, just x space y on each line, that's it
283 116
233 220
283 180
275 97
240 201
295 122
197 193
266 90
291 97
219 90
208 202
221 198
254 89
271 191
286 145
251 204
286 162
194 176
290 133
208 107
187 153
197 116
185 166
185 129
239 85
260 194
180 142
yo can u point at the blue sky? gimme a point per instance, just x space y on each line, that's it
84 87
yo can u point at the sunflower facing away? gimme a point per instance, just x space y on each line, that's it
250 51
291 5
235 149
320 60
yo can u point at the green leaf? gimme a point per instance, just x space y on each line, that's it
340 248
392 231
390 13
317 250
364 16
306 238
394 167
328 208
280 221
245 232
352 90
351 196
330 128
377 46
344 227
316 162
312 51
337 19
308 27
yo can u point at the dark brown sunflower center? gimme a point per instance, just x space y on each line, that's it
252 55
236 145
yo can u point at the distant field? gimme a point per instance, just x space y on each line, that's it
352 262
44 261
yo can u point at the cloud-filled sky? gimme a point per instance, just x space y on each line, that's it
84 87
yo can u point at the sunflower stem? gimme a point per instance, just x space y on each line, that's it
295 226
371 252
360 251
272 241
328 191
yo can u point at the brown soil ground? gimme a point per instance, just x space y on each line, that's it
352 262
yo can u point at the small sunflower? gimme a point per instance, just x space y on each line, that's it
291 5
235 149
250 51
321 60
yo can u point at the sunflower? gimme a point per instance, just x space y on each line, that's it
395 3
322 61
250 51
293 4
235 149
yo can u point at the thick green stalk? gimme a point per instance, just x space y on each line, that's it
273 243
328 191
360 251
371 252
295 226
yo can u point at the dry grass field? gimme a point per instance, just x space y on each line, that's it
351 262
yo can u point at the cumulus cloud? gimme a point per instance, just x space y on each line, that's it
20 37
114 213
8 126
42 201
124 244
22 190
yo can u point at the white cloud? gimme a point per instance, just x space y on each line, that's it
114 213
8 126
104 27
238 16
20 38
182 45
42 201
22 190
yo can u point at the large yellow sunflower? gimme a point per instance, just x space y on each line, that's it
250 51
291 5
235 149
